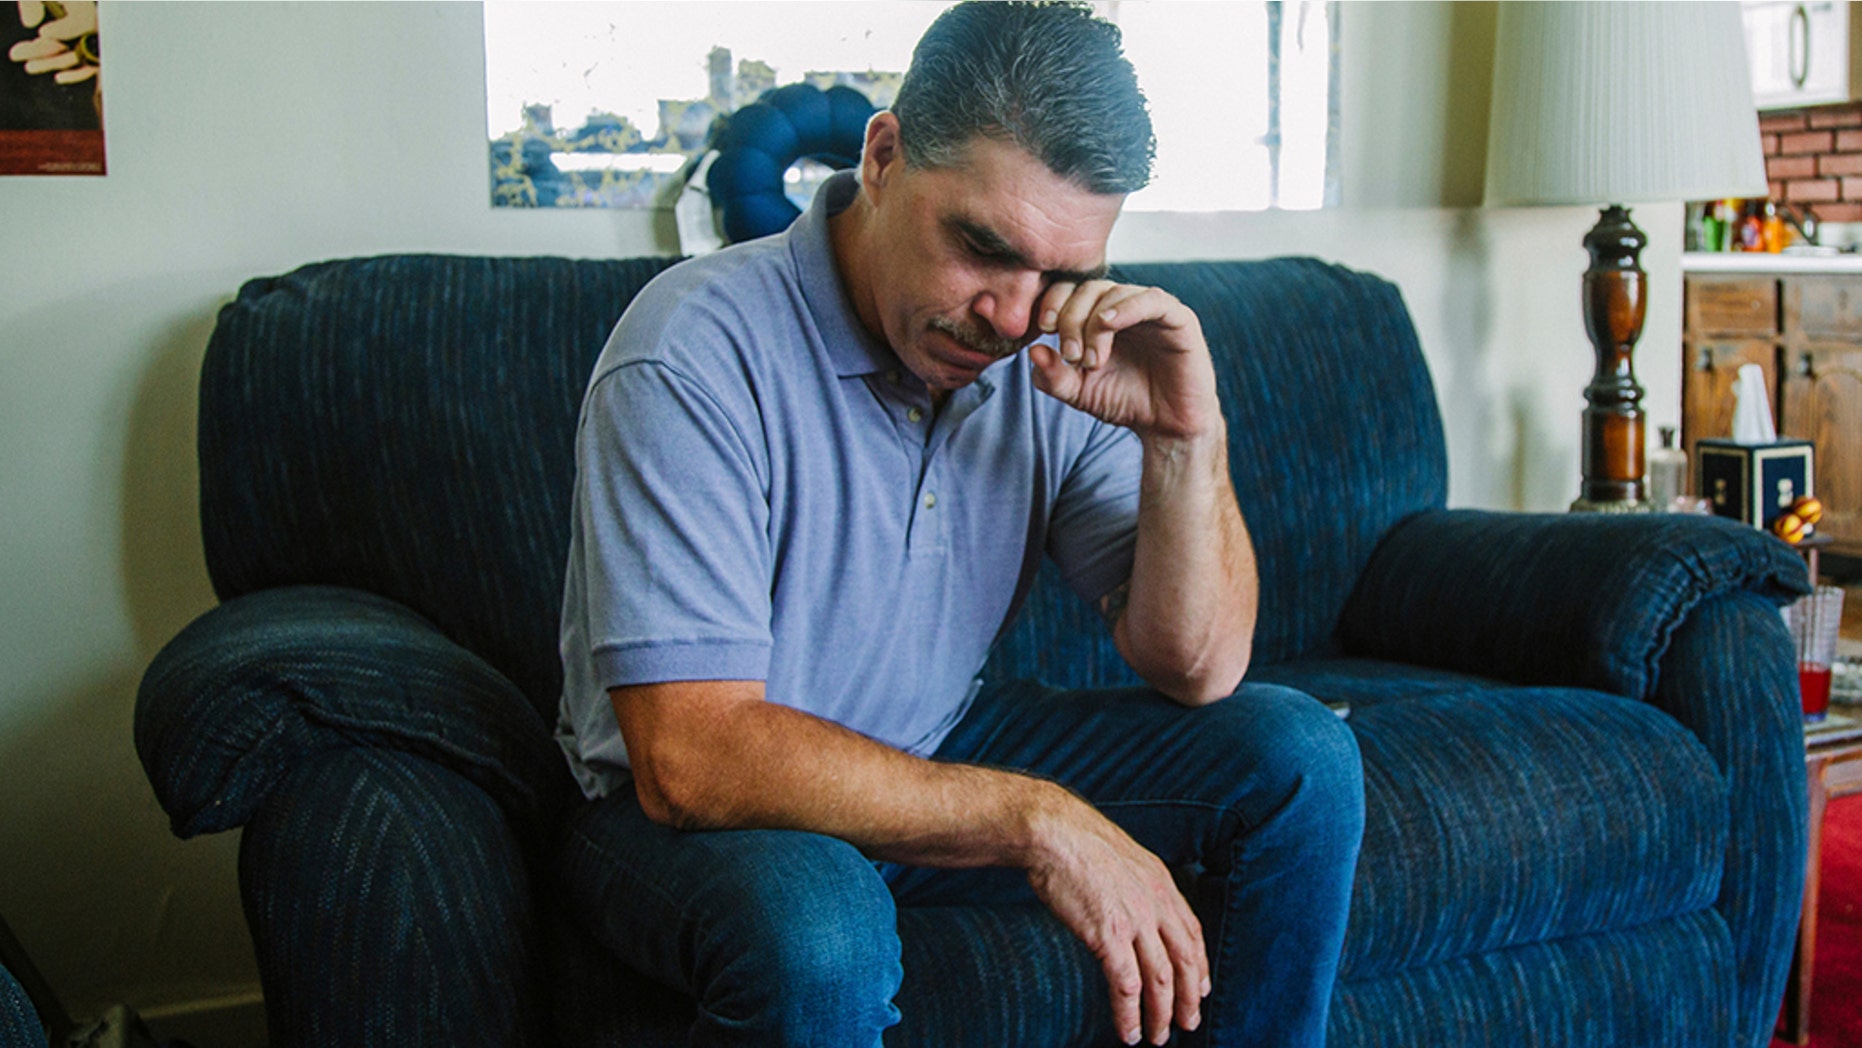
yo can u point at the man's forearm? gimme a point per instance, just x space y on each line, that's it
714 755
1188 626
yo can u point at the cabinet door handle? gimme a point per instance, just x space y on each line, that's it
1703 360
1806 366
1800 42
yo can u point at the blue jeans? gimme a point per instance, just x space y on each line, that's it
787 938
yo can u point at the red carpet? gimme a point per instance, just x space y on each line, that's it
1836 1001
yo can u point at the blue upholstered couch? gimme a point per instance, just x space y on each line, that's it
19 1022
1583 764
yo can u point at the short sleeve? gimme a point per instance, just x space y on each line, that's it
1093 530
674 516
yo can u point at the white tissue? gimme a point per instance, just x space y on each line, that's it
1752 422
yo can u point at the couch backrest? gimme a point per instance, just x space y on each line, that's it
405 425
1334 436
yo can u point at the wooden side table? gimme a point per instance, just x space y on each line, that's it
1835 770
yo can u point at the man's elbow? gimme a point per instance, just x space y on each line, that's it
673 794
1200 679
678 738
1201 691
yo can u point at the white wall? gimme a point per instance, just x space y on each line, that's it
246 139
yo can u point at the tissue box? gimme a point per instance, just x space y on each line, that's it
1755 482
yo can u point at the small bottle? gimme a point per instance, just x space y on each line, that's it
1751 227
1772 228
1667 473
1729 225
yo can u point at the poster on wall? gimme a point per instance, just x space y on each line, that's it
51 88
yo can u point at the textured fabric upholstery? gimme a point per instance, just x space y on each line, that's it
405 425
1730 676
1661 984
1573 599
19 1022
1677 610
1583 770
390 904
230 706
1499 818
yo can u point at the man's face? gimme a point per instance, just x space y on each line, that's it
964 255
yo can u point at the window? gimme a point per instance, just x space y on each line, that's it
609 104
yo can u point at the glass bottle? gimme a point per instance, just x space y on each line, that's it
1751 227
1696 236
1772 228
1667 472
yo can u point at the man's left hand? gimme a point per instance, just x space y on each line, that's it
1128 355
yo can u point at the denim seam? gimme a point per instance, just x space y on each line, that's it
1212 1021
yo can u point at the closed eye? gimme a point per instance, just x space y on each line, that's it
986 248
984 245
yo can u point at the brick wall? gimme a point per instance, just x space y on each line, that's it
1813 158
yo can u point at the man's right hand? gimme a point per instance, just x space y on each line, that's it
1120 900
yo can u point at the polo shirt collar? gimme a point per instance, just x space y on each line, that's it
854 350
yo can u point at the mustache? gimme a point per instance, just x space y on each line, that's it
982 341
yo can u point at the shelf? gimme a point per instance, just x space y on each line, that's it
1761 262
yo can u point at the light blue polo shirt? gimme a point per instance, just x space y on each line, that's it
763 492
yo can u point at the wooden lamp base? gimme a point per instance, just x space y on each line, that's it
1614 305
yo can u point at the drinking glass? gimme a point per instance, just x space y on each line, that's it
1814 621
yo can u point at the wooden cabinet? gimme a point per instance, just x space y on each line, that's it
1805 331
1802 52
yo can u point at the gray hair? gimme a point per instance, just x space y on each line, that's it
1049 77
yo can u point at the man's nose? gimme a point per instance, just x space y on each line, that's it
1008 304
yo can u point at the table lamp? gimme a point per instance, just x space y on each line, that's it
1613 104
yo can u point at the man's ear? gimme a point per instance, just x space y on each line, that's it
882 154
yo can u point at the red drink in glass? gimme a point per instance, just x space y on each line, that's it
1814 682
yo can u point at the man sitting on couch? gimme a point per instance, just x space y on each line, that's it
816 474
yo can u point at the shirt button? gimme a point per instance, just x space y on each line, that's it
914 414
930 500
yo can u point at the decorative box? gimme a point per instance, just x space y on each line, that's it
1755 482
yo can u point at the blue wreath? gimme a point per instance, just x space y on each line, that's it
761 140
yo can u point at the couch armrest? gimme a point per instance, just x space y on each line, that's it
239 697
1730 676
1591 600
392 902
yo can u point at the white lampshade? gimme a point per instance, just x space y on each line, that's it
1621 103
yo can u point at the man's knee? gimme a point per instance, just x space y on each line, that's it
1303 758
830 937
807 947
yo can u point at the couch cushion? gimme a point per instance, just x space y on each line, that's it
1498 816
1668 983
405 425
